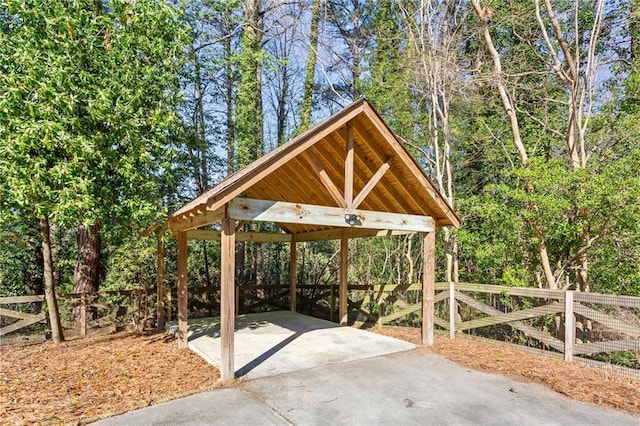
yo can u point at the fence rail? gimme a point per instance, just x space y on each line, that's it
24 319
582 326
104 308
96 310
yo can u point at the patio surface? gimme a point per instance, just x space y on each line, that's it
272 343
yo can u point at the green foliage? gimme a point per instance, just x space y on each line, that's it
87 106
387 84
21 259
132 264
248 113
84 136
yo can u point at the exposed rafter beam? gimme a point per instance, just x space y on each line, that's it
411 164
270 162
194 220
325 179
307 214
372 183
381 156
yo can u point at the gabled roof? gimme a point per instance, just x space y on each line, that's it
298 171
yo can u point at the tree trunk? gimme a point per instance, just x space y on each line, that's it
312 55
201 171
248 123
229 85
49 287
86 277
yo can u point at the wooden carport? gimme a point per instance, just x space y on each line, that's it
346 177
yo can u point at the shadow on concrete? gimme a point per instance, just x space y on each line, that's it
271 343
266 355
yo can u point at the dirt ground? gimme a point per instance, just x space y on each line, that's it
102 375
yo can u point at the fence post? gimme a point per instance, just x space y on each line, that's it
83 314
380 312
452 311
569 326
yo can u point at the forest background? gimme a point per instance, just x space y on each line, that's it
525 115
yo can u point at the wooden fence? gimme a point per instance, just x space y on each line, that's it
585 327
108 308
317 299
18 319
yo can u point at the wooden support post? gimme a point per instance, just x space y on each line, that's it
428 288
381 309
452 311
227 303
342 289
83 314
332 298
293 273
569 326
348 168
182 290
160 291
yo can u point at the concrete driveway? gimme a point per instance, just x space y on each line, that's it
400 389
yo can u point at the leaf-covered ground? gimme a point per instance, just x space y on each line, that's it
87 379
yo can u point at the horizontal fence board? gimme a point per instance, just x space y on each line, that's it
511 291
606 299
510 317
526 329
14 314
402 312
265 301
396 287
439 297
442 323
607 320
21 324
606 346
100 293
21 299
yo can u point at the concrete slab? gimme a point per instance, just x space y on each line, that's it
420 389
271 343
225 407
406 388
